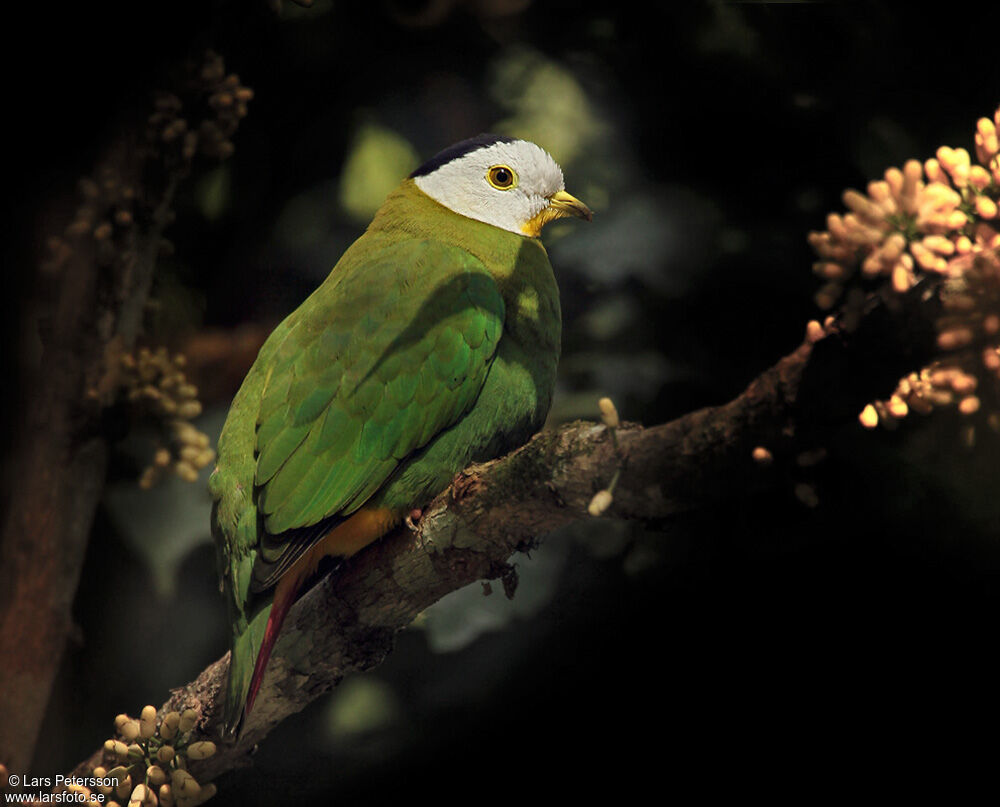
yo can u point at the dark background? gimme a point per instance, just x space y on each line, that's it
716 136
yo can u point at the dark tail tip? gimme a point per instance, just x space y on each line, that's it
232 726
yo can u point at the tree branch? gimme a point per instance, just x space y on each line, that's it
347 622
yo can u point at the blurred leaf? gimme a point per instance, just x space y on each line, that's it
602 537
462 616
214 192
175 307
645 555
610 316
376 163
305 221
728 32
309 235
665 237
627 377
163 525
547 104
361 704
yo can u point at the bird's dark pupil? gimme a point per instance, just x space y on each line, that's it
501 176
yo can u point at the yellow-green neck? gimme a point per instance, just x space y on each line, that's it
408 209
518 263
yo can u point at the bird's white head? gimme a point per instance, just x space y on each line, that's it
512 184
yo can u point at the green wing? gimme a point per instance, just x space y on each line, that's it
391 350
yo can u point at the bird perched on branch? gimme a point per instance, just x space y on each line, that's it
432 344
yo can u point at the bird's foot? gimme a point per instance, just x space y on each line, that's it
413 519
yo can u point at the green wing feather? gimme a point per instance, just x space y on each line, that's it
388 352
340 420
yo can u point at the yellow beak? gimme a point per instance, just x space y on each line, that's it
561 204
568 205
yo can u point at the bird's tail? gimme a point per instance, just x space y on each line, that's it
246 646
252 647
251 652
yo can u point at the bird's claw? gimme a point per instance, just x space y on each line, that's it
412 519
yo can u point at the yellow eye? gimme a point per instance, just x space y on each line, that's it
501 177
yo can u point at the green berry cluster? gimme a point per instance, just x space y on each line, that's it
149 761
170 130
106 215
154 383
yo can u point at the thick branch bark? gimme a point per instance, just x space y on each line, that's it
58 468
347 622
88 311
